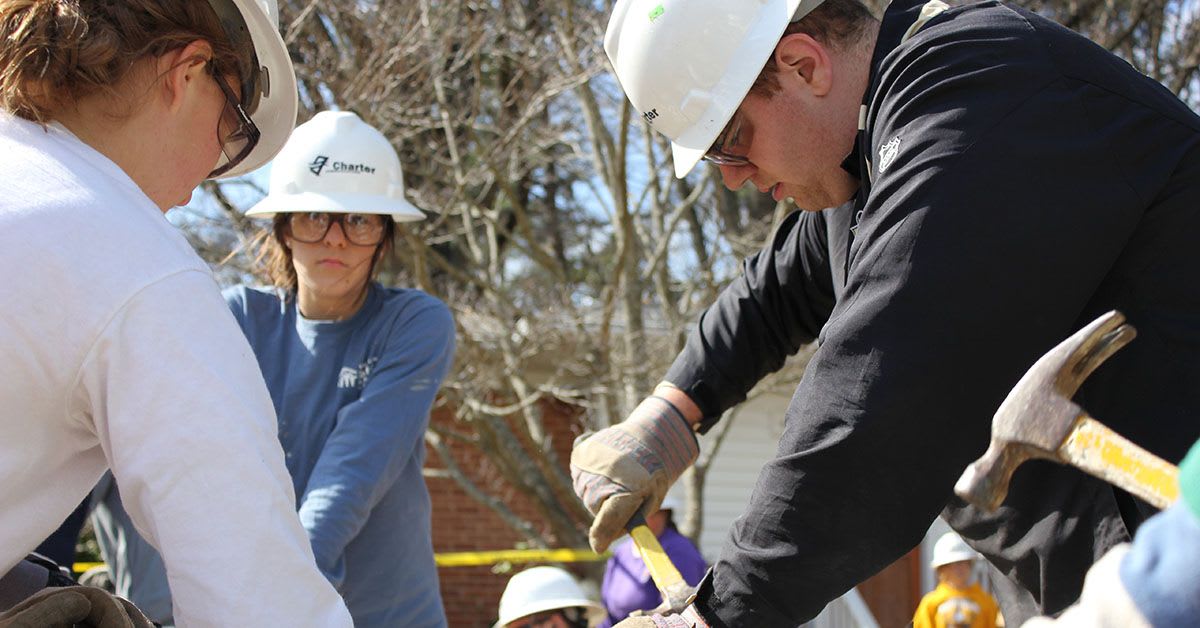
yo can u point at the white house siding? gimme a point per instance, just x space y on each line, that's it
751 442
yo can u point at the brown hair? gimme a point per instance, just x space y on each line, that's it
838 24
275 258
55 52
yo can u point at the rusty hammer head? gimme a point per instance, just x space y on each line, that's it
1038 415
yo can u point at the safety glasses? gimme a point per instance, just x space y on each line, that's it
541 620
360 229
238 133
721 151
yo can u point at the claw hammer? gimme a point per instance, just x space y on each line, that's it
1039 420
676 593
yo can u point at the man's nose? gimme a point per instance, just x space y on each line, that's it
734 177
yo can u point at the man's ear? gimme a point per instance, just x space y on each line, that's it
806 61
182 70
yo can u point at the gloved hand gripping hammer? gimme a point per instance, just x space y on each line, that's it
676 593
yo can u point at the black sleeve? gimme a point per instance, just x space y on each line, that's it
778 304
982 242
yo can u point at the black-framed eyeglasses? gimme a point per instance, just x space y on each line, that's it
360 229
719 153
541 620
237 132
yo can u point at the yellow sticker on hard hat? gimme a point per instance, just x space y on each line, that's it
657 12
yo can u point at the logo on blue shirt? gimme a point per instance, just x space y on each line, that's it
351 377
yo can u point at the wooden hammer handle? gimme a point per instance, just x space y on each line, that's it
1105 454
666 577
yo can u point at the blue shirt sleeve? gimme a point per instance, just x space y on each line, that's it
1160 571
377 435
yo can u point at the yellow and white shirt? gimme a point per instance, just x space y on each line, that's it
949 607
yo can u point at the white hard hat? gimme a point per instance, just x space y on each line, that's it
686 65
543 589
337 163
269 92
950 548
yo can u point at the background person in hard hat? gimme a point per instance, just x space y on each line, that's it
1154 581
546 597
353 367
996 181
627 585
957 602
116 349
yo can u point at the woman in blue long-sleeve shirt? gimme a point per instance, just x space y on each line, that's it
352 367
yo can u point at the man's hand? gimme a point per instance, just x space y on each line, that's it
67 607
631 465
689 619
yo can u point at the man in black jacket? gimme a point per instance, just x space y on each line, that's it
1000 181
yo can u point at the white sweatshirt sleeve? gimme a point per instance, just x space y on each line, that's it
175 396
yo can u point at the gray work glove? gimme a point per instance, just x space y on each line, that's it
630 466
689 619
67 607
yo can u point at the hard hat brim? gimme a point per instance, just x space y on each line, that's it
400 210
686 158
950 559
275 115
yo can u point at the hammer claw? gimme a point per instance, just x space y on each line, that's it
1098 348
1038 415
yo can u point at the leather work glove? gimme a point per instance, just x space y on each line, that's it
689 619
631 465
67 607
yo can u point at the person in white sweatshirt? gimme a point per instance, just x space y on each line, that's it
116 347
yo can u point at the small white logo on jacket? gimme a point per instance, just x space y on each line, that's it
350 377
887 154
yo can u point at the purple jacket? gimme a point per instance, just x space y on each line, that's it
627 585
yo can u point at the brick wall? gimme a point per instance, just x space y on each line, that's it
893 594
462 524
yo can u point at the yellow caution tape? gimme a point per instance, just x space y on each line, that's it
474 559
